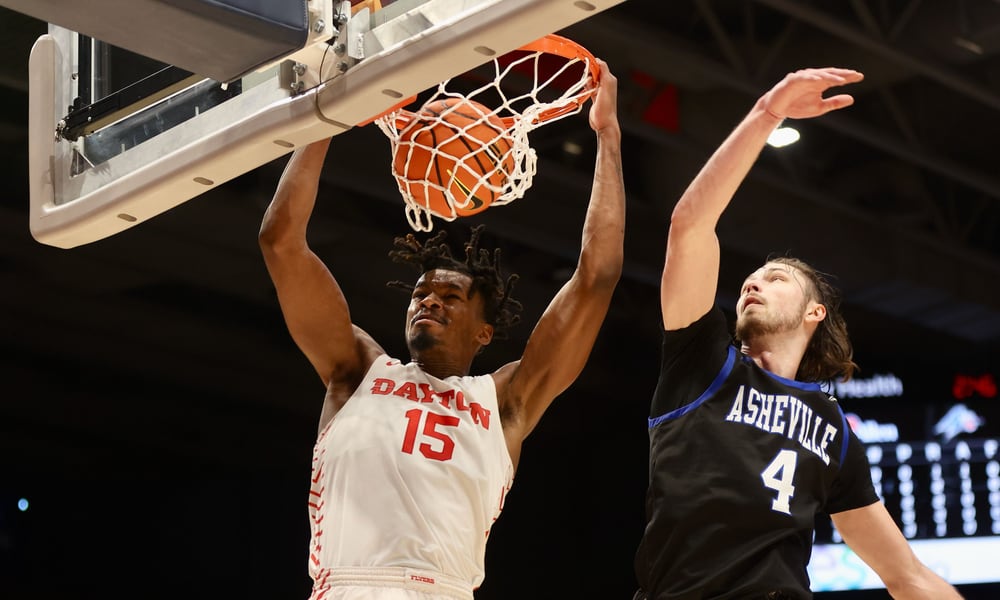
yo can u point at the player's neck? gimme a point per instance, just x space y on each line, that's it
442 365
778 354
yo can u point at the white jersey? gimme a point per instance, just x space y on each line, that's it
411 472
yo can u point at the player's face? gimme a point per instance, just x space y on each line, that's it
444 313
773 300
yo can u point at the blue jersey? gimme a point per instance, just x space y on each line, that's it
741 462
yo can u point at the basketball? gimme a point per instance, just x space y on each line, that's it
454 146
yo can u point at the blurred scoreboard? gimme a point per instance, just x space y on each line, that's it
936 467
938 490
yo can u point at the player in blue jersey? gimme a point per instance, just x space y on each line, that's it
745 446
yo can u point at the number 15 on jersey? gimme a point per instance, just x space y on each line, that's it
432 424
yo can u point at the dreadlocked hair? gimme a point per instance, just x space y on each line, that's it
499 309
829 353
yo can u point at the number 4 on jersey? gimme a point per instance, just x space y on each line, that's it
778 476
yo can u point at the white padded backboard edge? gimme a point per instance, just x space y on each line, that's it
368 68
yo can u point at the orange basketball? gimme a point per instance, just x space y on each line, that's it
457 144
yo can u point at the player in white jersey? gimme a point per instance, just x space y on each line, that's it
414 460
418 430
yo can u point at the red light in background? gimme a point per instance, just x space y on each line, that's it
662 108
967 385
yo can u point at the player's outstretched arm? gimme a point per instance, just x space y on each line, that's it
691 266
312 303
873 535
562 339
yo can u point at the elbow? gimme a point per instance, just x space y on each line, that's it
603 274
685 221
274 241
906 589
266 237
608 270
604 281
683 217
268 240
912 579
278 230
610 273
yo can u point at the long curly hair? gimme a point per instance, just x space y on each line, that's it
499 309
829 354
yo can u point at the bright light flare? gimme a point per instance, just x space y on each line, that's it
783 136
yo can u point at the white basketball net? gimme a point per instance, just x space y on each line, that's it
524 111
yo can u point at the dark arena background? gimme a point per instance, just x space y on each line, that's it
156 420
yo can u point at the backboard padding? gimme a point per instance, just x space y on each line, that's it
436 40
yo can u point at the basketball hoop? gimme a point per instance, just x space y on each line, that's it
455 157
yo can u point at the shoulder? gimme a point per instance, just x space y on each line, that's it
368 348
708 335
366 352
712 322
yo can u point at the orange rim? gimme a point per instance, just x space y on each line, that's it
570 50
550 44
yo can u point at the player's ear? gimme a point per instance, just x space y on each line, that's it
485 334
815 312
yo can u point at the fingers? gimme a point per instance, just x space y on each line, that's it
604 108
606 77
840 100
848 75
833 76
837 102
830 75
607 84
800 94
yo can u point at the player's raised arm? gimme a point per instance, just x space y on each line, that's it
562 339
691 267
312 303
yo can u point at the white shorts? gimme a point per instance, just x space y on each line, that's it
387 583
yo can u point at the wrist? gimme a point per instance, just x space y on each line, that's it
770 118
763 107
610 132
